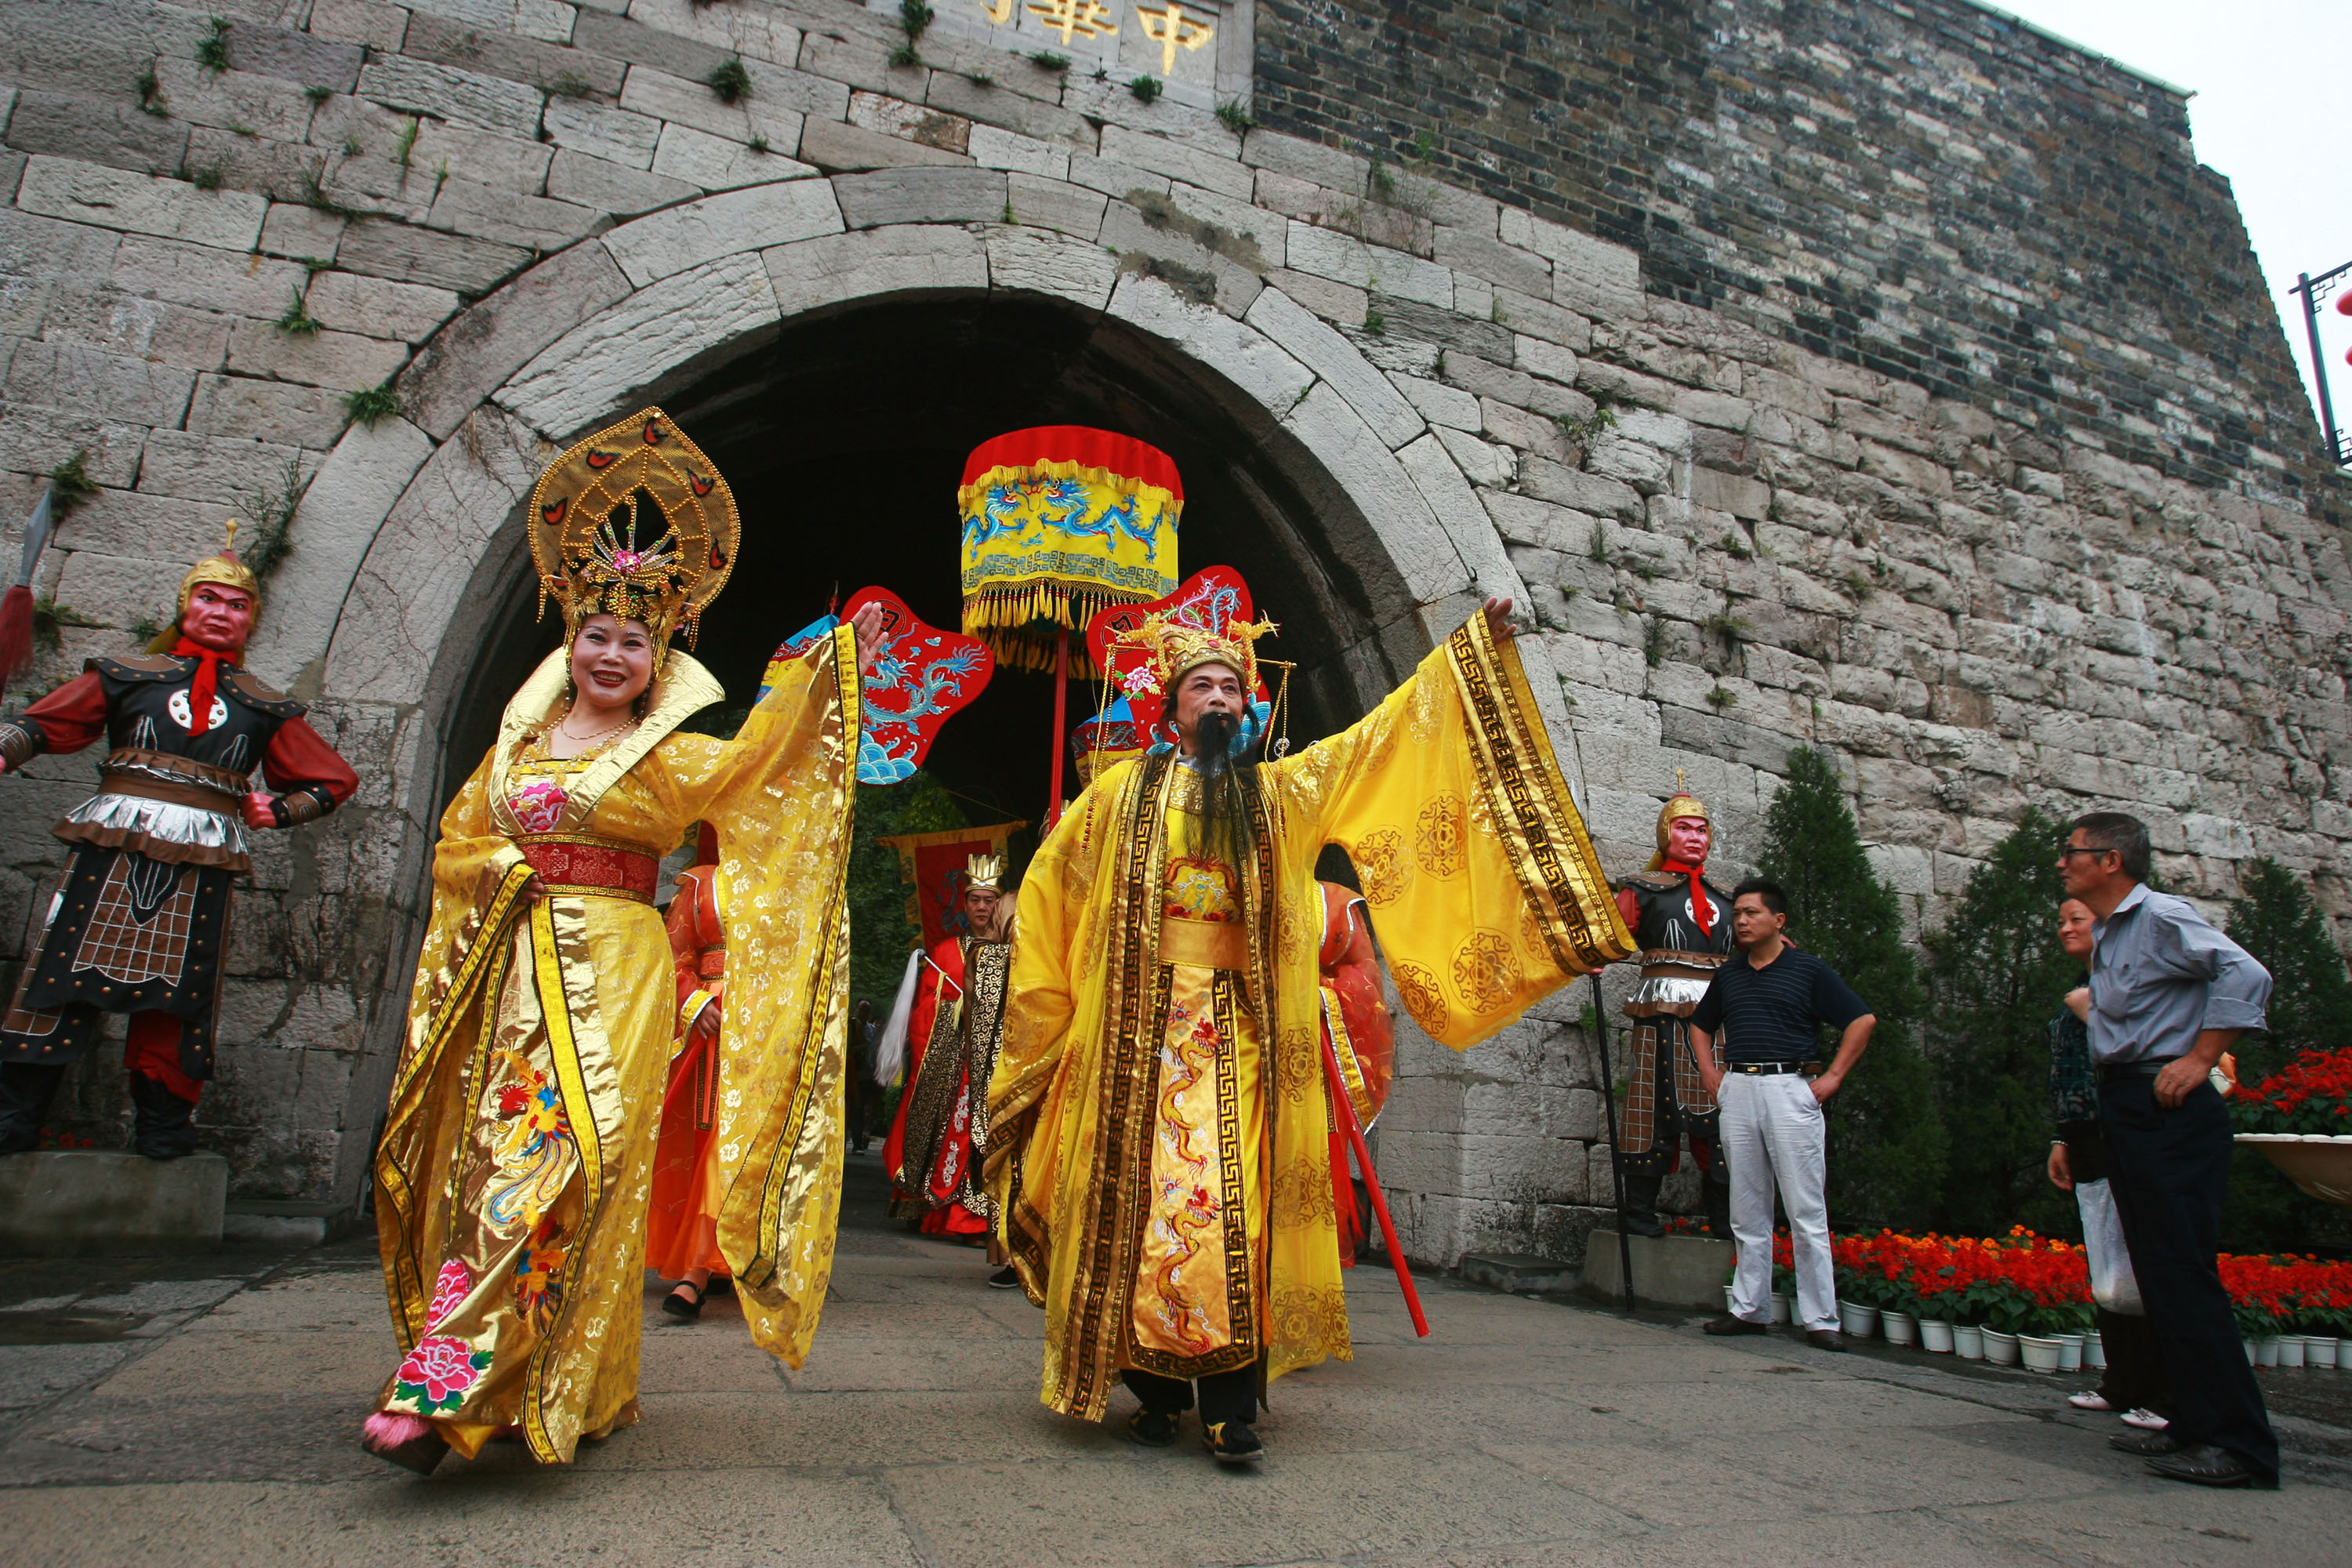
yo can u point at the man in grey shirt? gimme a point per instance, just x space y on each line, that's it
2169 995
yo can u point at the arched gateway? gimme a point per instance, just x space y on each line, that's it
826 371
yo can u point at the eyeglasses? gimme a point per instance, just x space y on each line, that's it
2066 849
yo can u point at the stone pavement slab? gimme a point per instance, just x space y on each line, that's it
206 1410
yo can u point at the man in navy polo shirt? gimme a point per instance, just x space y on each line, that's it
1769 1004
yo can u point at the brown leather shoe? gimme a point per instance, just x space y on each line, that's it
2147 1444
1727 1324
1825 1339
2210 1465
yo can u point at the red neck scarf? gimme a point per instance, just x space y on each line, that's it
200 695
1700 907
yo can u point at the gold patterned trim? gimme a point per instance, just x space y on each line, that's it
563 1049
1536 817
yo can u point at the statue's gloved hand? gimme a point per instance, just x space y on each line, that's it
260 808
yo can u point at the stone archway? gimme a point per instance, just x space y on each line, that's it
409 531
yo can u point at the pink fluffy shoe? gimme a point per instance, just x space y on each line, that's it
409 1441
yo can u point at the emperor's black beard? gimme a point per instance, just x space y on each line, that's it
1226 786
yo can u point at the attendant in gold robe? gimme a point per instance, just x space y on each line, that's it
1159 1151
512 1178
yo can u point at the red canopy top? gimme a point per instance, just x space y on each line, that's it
1122 454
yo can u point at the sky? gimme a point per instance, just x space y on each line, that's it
2272 110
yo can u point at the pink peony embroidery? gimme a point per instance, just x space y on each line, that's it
540 806
450 1288
438 1373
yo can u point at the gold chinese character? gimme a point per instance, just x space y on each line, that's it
1088 19
997 11
1173 30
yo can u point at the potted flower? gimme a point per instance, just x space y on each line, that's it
2302 1119
1857 1285
2257 1300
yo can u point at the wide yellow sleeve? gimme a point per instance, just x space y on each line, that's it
471 863
781 796
1485 889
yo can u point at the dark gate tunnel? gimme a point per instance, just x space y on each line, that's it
844 441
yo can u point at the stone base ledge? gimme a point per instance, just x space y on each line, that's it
1520 1273
288 1222
1668 1270
83 1202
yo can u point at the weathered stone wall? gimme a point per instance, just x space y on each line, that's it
1924 188
528 216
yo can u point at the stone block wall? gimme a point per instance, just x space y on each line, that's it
1727 537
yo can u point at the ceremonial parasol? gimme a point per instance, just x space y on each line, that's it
1060 523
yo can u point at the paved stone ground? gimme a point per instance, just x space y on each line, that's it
206 1410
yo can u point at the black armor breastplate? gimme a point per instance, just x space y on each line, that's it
1668 921
147 709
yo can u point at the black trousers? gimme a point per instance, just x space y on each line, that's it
2169 1170
1224 1395
2134 1378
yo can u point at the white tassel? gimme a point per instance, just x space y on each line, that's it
890 1053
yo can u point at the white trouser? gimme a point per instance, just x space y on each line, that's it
1773 1131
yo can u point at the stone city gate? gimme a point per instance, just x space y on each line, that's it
1989 534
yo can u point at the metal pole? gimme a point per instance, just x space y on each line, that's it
1616 1155
2319 365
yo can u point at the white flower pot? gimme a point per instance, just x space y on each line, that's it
1783 1307
1901 1328
2322 1350
2070 1352
1968 1342
2095 1352
2250 1350
2291 1348
1935 1334
2000 1349
1860 1322
2266 1350
2040 1354
1726 1298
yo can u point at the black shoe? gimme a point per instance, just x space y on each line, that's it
1231 1443
1727 1324
1644 1224
1825 1339
163 1126
2147 1444
1152 1428
2211 1466
1006 1279
684 1308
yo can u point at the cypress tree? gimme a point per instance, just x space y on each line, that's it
1997 976
1887 1150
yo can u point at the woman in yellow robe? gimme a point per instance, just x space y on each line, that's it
514 1171
1159 1150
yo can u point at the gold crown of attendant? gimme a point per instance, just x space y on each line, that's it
1173 647
635 522
224 569
985 871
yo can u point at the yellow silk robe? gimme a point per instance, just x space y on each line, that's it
517 1158
1488 895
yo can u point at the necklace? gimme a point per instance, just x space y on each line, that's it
564 724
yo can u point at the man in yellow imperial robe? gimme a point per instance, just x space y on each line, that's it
1159 1150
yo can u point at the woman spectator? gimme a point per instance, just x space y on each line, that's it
2134 1384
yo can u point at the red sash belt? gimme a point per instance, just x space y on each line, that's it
582 865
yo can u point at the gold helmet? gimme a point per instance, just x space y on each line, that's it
224 569
597 549
985 873
1681 804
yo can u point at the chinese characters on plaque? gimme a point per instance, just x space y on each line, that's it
1166 23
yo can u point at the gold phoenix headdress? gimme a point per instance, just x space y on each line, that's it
984 871
224 569
664 559
1173 647
1681 804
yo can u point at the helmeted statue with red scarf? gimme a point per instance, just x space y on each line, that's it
138 923
1682 924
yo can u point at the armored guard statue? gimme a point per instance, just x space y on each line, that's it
1682 924
139 921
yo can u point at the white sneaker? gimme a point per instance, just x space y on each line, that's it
2146 1420
2089 1399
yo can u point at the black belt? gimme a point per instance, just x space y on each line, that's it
2124 1073
1766 1069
